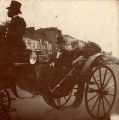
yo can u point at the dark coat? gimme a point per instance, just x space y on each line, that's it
65 59
13 41
15 32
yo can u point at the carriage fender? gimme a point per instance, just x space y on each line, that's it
88 65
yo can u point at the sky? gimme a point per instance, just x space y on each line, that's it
87 20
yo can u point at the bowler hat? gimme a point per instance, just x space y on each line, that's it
60 40
15 6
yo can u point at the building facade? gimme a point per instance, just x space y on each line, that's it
31 44
46 38
68 40
50 35
34 44
42 39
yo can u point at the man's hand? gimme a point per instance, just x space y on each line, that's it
51 64
78 60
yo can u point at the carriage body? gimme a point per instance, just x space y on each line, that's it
78 80
91 76
94 78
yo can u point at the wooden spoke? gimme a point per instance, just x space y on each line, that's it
104 77
91 90
110 95
108 81
100 78
92 97
107 101
94 104
96 81
103 105
98 107
109 87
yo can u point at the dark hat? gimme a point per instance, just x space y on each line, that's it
60 40
15 6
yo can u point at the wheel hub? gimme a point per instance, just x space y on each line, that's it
102 92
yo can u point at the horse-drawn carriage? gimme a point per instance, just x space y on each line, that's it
63 88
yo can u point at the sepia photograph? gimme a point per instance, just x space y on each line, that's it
59 59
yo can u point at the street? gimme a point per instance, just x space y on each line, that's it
37 109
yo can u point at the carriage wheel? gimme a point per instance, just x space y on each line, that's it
100 92
73 99
6 100
66 101
58 103
62 101
4 113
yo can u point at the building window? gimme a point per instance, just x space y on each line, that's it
37 45
33 44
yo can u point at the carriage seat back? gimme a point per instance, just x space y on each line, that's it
92 61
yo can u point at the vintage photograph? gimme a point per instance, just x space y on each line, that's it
59 59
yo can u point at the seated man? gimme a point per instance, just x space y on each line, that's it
65 58
62 57
61 64
61 61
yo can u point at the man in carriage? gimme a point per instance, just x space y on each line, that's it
12 42
61 64
64 57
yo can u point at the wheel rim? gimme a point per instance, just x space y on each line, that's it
6 101
4 113
63 103
63 100
100 92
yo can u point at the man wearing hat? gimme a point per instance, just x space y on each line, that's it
16 28
62 55
13 41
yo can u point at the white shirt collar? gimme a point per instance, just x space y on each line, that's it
14 16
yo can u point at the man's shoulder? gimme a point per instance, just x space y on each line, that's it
65 51
19 20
